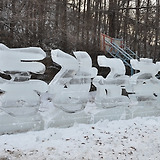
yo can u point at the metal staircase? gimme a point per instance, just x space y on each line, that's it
122 52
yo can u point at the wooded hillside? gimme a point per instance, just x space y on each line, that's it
76 24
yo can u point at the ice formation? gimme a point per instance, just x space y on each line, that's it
70 87
20 98
144 88
69 90
109 89
144 84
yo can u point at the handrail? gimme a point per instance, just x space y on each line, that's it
125 55
119 49
123 51
136 56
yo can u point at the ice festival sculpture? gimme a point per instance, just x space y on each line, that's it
144 88
70 87
69 90
144 83
109 89
19 99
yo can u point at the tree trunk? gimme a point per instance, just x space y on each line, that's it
88 24
136 41
1 19
95 21
41 21
12 23
146 30
157 28
125 32
112 17
83 23
63 26
78 23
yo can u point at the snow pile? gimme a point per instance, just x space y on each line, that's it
124 139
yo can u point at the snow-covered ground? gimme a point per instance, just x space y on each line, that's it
136 139
133 139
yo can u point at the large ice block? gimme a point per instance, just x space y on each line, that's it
20 96
70 86
13 61
144 86
109 89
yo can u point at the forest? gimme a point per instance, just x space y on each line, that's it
72 25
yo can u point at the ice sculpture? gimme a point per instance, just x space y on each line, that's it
109 89
20 98
70 87
3 47
144 84
144 89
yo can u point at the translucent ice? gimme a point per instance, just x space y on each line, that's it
109 89
70 87
20 96
13 60
3 47
144 84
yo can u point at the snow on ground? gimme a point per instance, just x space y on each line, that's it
136 139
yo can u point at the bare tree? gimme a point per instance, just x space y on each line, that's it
157 28
112 17
77 24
